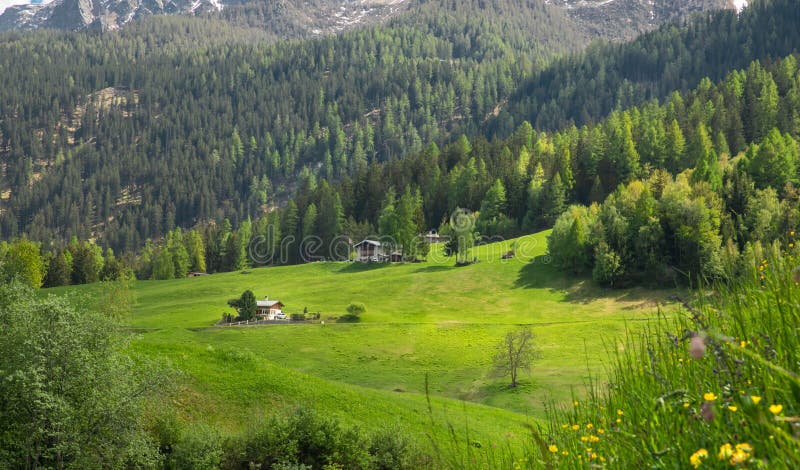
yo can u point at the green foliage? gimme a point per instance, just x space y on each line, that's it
59 269
569 243
354 312
72 394
21 261
87 262
463 235
245 306
356 308
307 439
199 447
636 236
774 162
608 267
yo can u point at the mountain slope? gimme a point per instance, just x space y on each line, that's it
625 19
287 18
586 86
107 14
178 131
612 19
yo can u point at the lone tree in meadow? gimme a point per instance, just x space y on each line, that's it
354 311
245 305
515 352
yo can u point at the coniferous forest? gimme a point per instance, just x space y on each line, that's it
160 157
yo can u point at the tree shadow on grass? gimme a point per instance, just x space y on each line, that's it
495 392
434 269
540 274
352 268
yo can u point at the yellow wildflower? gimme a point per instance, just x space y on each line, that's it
709 396
745 447
564 452
725 452
620 412
584 438
589 425
739 457
743 344
697 458
564 426
601 431
755 399
733 408
575 403
553 448
594 438
575 427
686 404
775 409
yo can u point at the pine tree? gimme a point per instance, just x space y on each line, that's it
553 200
701 151
674 147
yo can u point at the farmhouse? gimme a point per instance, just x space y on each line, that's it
370 250
269 308
433 237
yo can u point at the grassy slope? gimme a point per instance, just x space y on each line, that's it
429 318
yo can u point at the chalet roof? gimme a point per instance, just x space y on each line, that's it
267 303
368 242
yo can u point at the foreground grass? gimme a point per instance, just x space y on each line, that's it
716 386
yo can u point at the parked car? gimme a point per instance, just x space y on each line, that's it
280 316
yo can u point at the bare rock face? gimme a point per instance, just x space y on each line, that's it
70 14
625 19
612 19
75 15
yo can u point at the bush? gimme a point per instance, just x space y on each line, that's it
298 317
200 447
84 411
356 308
306 439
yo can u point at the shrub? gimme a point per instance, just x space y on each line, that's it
82 412
200 447
298 317
306 439
356 308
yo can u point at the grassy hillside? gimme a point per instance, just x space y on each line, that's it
422 319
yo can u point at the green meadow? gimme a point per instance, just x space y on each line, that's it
429 332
